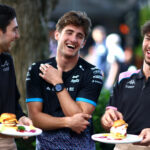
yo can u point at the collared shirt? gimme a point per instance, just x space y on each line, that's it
131 96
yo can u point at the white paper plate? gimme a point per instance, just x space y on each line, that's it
15 133
104 138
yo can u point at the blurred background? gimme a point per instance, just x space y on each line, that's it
115 43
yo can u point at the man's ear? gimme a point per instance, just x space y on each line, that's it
83 44
56 34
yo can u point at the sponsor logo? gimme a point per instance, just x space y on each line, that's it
75 76
96 81
130 84
71 89
5 66
48 88
97 77
75 81
96 72
81 67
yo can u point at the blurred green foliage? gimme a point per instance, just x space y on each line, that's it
25 144
99 111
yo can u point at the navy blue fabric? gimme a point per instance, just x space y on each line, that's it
9 94
131 96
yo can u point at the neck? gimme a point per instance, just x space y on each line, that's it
146 70
66 63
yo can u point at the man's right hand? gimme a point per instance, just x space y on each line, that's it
109 117
78 122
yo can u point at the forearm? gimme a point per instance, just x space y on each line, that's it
48 122
68 105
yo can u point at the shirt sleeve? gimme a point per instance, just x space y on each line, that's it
33 87
91 86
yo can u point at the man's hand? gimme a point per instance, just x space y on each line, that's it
25 121
78 122
51 74
109 117
145 134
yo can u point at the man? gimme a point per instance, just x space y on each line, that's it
9 94
130 100
62 92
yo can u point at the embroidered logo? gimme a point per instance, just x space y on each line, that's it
130 84
5 66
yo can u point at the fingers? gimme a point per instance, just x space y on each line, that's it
145 134
44 67
86 116
110 116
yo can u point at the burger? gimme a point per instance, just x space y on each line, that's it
119 129
8 120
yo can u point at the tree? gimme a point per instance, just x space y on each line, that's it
32 16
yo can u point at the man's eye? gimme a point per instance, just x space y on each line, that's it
80 36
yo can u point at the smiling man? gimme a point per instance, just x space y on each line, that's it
9 94
131 100
62 91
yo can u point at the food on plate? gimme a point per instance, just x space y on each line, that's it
10 124
21 129
119 129
8 120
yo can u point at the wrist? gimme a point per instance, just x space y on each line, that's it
59 87
111 107
67 122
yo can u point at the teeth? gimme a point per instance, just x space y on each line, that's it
71 46
148 51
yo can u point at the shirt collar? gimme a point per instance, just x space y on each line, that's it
140 74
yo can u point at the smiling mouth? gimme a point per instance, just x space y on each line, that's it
71 46
148 51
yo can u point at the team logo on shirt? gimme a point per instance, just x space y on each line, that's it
75 79
5 66
81 67
130 84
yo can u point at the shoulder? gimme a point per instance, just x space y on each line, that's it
127 75
90 72
88 68
35 65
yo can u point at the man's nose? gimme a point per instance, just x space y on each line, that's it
17 35
74 38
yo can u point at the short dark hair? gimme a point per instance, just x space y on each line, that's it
145 28
76 18
7 14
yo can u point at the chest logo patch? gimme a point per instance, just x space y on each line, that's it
5 66
75 79
130 84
